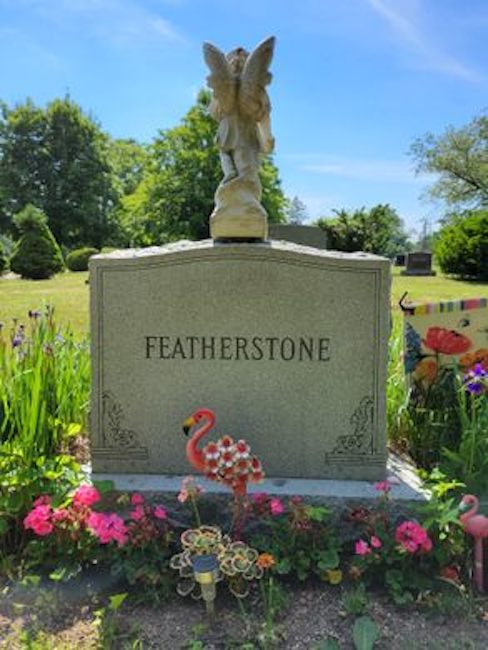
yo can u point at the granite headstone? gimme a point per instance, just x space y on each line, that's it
419 263
287 344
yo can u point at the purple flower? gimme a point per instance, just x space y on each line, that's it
17 340
34 314
476 380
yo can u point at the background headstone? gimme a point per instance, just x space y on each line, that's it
299 234
419 263
287 344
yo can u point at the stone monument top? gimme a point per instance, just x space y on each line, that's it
241 106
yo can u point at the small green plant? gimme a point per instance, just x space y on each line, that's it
468 461
44 385
36 255
355 600
364 633
77 260
110 634
299 536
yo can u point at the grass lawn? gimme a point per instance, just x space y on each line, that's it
68 292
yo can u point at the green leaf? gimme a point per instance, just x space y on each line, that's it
364 633
116 600
328 560
104 486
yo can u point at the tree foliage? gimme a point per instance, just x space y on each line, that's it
77 260
461 246
57 159
379 230
36 255
176 194
297 211
460 157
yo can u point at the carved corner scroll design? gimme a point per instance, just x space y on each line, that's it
360 441
117 441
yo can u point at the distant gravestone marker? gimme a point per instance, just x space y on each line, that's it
287 344
299 234
419 263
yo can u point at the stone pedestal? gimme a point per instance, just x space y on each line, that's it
286 344
238 213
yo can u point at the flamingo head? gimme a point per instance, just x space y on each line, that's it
467 502
195 418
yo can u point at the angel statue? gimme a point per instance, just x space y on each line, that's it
242 107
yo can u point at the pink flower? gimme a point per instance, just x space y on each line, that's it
276 507
137 499
61 514
160 513
362 548
43 500
86 495
189 489
383 486
413 537
375 542
39 520
137 514
259 497
183 495
108 527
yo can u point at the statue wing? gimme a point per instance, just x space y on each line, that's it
221 80
253 99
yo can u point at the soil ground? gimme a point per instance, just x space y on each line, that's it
313 614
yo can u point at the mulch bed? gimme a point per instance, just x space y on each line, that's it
313 614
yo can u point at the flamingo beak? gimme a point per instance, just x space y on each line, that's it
187 425
463 506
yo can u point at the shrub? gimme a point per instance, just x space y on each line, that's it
77 260
3 259
36 254
462 246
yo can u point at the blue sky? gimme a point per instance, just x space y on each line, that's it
355 81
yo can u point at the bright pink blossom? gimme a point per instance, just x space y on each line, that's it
362 547
383 486
375 542
86 495
276 507
137 514
39 520
160 513
413 537
260 497
137 499
61 514
108 527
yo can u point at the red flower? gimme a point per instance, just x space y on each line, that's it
446 341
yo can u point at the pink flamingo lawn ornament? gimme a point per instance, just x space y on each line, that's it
224 461
477 526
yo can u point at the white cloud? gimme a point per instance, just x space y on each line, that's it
406 23
120 22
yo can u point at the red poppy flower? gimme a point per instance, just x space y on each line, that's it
446 341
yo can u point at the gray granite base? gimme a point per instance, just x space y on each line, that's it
406 485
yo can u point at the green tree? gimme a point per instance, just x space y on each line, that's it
460 157
36 255
3 259
176 194
379 230
297 211
461 246
57 159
